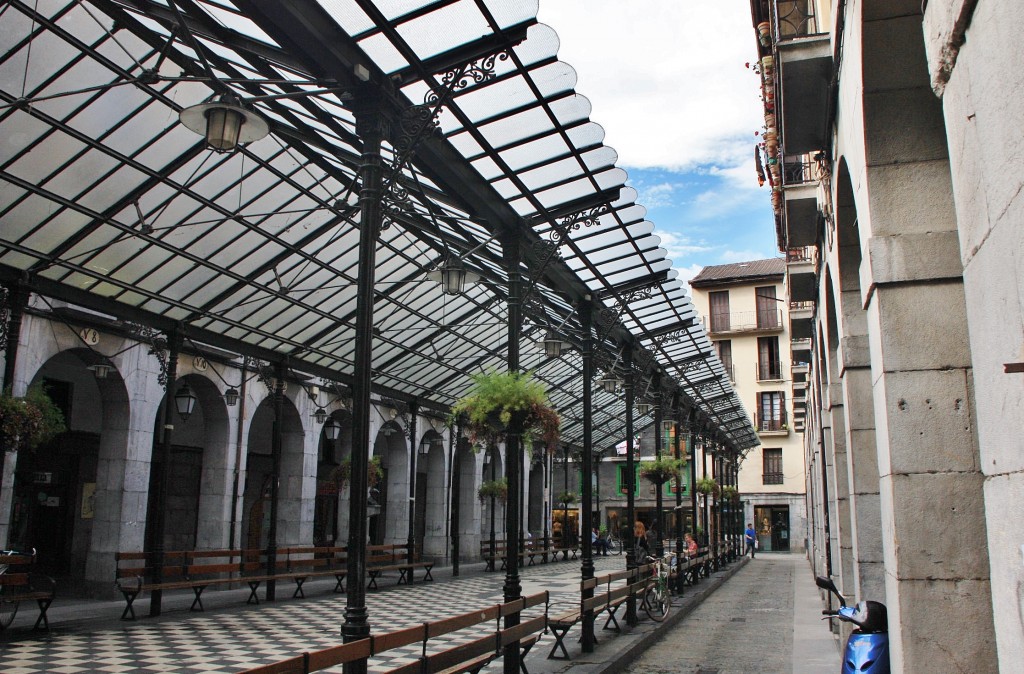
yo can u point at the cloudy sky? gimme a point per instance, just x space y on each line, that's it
668 82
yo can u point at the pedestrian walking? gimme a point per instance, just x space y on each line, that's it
751 538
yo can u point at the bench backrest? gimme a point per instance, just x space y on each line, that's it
490 643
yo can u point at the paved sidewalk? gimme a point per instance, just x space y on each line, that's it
229 636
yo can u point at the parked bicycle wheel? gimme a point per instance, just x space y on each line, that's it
657 602
615 545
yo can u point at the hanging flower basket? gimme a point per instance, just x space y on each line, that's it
707 485
731 494
497 489
661 470
566 497
26 422
500 402
343 472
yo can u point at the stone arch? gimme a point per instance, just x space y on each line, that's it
292 526
64 507
492 518
331 504
391 524
469 506
430 528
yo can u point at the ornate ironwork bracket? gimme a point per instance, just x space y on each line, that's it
157 346
421 120
263 370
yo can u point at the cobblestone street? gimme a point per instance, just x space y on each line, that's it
750 624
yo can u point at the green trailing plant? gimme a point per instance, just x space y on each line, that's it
374 472
707 485
730 493
493 489
28 421
566 497
661 470
500 400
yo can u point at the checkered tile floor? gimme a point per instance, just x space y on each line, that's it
236 639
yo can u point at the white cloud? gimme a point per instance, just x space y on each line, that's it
669 88
656 196
679 246
732 256
687 273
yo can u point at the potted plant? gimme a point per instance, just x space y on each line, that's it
28 421
493 489
707 485
764 33
503 401
661 470
730 493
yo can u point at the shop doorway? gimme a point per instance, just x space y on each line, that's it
772 525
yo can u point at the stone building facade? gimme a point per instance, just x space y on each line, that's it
747 319
893 145
89 493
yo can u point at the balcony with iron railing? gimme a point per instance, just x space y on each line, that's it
801 273
762 320
774 425
770 370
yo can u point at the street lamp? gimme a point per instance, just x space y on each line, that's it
320 415
610 383
453 277
231 396
224 123
332 429
184 402
554 345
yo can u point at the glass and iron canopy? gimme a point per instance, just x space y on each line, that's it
194 165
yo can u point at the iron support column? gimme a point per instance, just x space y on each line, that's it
680 481
456 491
369 127
587 567
629 540
414 452
160 498
17 300
659 499
513 448
275 481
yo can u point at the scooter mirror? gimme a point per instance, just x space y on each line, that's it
828 584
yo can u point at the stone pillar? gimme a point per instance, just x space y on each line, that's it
979 81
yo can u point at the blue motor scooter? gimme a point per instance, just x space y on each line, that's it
867 649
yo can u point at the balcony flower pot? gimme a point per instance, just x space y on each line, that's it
27 422
764 33
661 470
507 402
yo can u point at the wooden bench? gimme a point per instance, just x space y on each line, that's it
197 570
305 562
395 557
19 583
467 657
528 553
606 600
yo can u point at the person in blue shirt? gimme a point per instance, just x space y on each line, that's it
751 538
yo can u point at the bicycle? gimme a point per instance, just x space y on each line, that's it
656 600
615 546
8 608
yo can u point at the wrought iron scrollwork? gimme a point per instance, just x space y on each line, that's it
671 337
421 120
264 371
157 345
560 231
